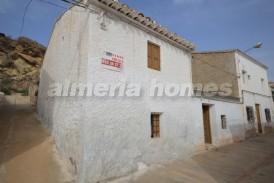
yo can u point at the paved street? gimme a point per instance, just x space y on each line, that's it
249 162
26 155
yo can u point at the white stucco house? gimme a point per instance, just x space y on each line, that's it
250 85
107 137
105 134
255 94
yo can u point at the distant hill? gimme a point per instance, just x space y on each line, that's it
20 63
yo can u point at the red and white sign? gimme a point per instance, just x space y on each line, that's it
112 61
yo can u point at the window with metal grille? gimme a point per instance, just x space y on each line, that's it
155 125
267 115
250 114
153 54
224 122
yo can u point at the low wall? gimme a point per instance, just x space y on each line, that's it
14 100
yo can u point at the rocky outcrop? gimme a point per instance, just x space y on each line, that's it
20 63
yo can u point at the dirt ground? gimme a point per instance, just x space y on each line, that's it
26 149
27 156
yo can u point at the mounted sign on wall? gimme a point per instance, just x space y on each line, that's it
112 61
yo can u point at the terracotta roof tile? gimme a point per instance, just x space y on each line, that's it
150 24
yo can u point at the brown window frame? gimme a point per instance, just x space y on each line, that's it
153 56
155 125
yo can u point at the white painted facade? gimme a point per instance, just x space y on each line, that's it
254 89
109 137
235 130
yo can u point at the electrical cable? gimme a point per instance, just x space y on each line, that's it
24 16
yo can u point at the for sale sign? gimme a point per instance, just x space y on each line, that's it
112 61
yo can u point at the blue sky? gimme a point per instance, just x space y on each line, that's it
210 24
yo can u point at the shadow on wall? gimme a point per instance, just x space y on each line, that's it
53 117
45 104
237 131
251 131
245 131
268 128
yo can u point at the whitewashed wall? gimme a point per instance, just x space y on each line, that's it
105 137
256 73
235 130
251 99
108 137
253 90
65 59
123 125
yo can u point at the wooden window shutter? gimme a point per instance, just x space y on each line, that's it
154 56
149 54
155 125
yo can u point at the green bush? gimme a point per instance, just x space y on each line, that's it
24 92
6 91
6 82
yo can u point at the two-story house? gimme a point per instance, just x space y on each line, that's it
271 87
248 80
100 67
109 136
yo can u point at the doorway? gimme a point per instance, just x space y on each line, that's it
207 126
260 129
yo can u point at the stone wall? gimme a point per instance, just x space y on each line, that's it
215 67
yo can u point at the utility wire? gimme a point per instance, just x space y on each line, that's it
71 2
79 4
53 4
75 3
24 16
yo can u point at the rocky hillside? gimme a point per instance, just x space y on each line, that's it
20 63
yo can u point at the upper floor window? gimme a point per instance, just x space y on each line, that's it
153 54
243 75
262 81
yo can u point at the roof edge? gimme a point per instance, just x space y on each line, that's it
143 22
235 50
215 51
251 58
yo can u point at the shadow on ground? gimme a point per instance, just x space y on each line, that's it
26 148
19 131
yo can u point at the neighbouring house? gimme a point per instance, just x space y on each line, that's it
249 82
271 86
